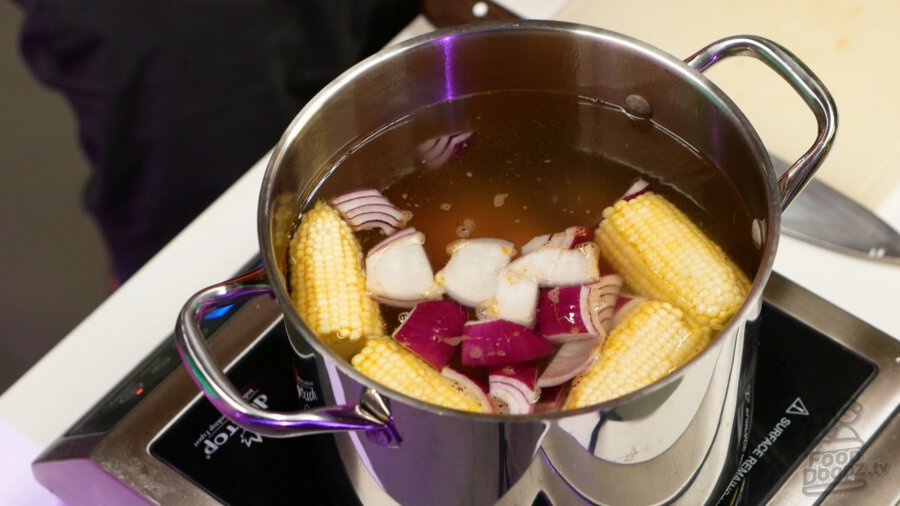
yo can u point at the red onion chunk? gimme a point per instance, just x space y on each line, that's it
472 381
601 303
362 193
579 236
398 271
572 358
368 208
387 211
471 275
514 389
552 266
499 343
366 222
639 187
568 239
552 399
560 311
569 313
429 329
515 300
436 151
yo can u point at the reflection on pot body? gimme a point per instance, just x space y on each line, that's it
668 441
621 435
602 457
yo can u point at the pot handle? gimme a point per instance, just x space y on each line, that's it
804 82
372 413
442 13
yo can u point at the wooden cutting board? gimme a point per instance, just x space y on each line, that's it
853 46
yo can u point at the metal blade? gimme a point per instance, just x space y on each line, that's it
823 216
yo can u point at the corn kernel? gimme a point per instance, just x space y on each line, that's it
662 254
328 287
648 344
389 363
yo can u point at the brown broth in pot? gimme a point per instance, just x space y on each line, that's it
537 162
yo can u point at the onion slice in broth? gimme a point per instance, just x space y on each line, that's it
398 272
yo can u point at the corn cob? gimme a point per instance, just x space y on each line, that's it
328 287
662 255
387 362
649 343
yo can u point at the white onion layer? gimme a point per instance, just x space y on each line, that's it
551 266
471 275
398 271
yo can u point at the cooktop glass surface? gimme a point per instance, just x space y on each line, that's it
239 467
803 382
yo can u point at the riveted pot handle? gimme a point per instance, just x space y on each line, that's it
804 83
371 414
442 13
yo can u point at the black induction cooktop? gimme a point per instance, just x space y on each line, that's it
806 428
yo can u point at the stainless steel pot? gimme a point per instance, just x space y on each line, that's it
671 440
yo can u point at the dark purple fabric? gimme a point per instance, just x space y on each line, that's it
176 99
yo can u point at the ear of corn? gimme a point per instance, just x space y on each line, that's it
387 362
648 344
328 287
663 255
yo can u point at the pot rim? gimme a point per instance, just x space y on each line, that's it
749 308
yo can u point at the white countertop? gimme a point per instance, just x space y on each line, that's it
127 326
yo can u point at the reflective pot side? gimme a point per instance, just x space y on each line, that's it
646 451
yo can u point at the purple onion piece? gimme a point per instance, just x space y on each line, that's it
432 150
514 389
428 327
499 343
552 399
472 381
561 339
366 209
559 311
572 358
566 312
388 227
637 189
600 305
567 239
357 194
436 151
580 235
375 208
362 222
